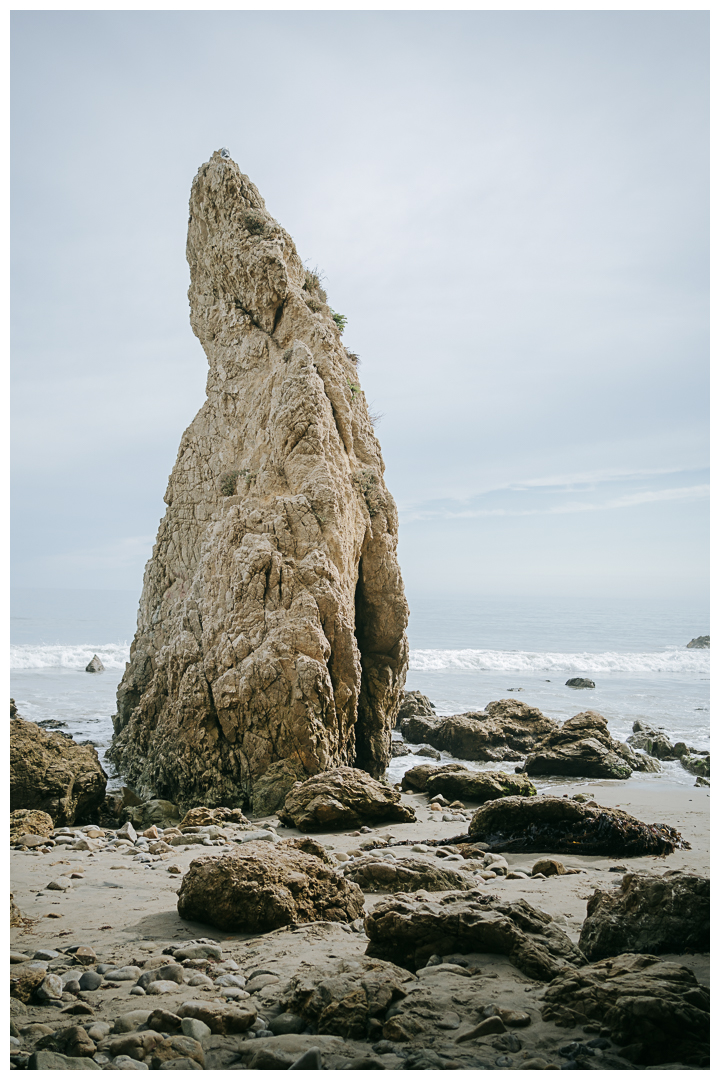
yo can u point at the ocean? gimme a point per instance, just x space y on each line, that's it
465 652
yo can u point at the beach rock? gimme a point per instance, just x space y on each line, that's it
413 703
456 782
505 730
29 822
270 789
696 762
653 741
25 980
202 816
409 930
345 998
582 747
272 619
648 914
46 1059
263 887
153 812
95 665
702 642
16 916
222 1019
342 798
73 1041
399 749
656 1010
568 827
50 772
408 874
585 684
699 782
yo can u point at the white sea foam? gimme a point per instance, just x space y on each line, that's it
76 657
685 661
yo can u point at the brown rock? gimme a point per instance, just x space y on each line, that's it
583 747
221 1019
656 1010
201 816
272 620
265 886
413 703
648 914
408 931
16 916
342 798
24 981
406 875
548 867
492 1026
459 783
565 826
29 822
50 772
504 731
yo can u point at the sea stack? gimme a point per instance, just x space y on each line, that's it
271 629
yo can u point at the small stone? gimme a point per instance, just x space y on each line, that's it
85 955
123 974
200 980
311 1059
129 1021
127 832
548 868
162 1020
287 1023
122 1061
194 1029
161 986
45 954
492 1026
72 985
51 988
173 869
137 991
151 833
95 665
59 886
90 980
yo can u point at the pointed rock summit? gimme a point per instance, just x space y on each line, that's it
271 630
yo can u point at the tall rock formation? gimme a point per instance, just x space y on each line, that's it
271 629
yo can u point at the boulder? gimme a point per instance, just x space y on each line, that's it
653 741
201 816
263 887
505 730
568 827
702 642
344 999
648 914
696 762
153 812
342 798
25 979
95 665
270 789
656 1010
29 822
409 930
581 684
413 703
374 874
50 772
272 621
467 784
220 1018
582 747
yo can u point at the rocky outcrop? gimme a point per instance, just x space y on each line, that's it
413 703
457 782
342 799
272 619
96 665
504 731
584 747
265 886
702 642
29 823
654 741
568 827
409 930
375 874
50 772
648 914
656 1010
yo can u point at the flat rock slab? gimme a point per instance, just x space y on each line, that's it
567 827
648 914
409 930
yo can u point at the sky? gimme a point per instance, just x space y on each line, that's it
511 209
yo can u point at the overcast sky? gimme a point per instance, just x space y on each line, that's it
511 209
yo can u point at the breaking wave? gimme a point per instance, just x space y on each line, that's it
76 657
685 661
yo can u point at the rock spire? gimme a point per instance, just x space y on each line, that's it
271 628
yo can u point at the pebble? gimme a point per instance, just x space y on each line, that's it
19 958
129 973
229 965
125 1062
194 1029
50 988
90 980
151 833
138 991
234 992
85 955
161 986
200 980
287 1023
231 980
59 886
422 848
127 832
45 954
129 1021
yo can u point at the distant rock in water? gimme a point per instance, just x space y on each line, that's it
95 664
581 684
272 620
699 642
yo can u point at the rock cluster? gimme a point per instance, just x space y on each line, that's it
648 914
568 826
654 741
458 782
272 620
584 747
342 798
51 773
503 731
264 887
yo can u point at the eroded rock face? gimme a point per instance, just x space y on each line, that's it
656 1010
409 930
50 772
648 914
504 731
265 886
272 619
583 747
29 823
342 798
414 703
375 874
456 782
567 827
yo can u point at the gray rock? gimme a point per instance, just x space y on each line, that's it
581 683
183 1064
122 1061
194 1029
95 665
168 972
311 1059
50 988
702 642
127 832
123 974
287 1023
46 1059
90 980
